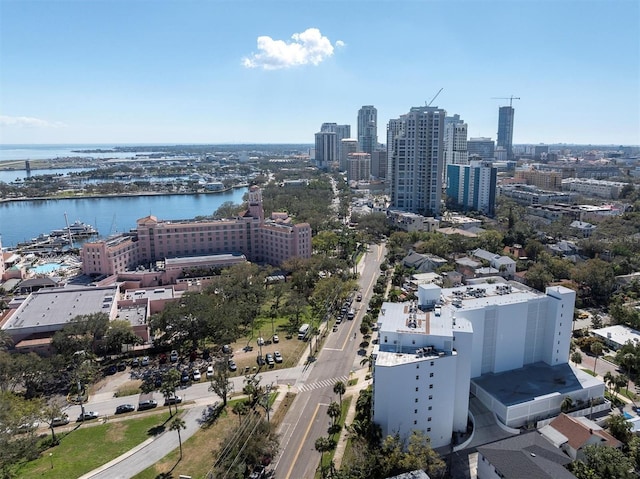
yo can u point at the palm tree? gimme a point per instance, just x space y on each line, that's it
620 381
628 360
240 408
609 379
176 425
367 361
339 388
567 404
334 412
596 349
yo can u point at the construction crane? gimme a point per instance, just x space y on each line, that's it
510 98
436 96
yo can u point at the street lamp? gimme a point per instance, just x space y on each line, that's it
51 459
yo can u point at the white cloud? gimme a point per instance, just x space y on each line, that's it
308 47
27 122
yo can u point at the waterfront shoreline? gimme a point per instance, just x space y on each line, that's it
121 195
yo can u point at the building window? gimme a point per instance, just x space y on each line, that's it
416 389
415 411
429 419
417 366
433 363
430 375
430 408
416 399
428 429
430 397
430 386
417 378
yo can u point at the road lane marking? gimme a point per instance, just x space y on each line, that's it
304 439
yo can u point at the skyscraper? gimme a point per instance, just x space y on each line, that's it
505 130
326 149
455 142
341 131
417 161
347 145
367 129
359 167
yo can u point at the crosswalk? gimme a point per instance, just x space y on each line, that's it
322 384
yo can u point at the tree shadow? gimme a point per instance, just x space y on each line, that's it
210 415
156 430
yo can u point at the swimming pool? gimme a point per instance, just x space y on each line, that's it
46 268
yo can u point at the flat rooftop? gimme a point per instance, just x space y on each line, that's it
534 381
151 293
55 307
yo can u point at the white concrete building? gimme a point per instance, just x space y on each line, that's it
432 353
590 187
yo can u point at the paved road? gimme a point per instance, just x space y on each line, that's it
307 418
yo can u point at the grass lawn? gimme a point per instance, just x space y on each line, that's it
88 447
197 456
589 371
328 456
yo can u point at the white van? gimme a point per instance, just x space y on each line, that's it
302 332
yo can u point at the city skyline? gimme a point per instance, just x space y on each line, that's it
272 72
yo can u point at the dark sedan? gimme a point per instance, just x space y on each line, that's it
125 408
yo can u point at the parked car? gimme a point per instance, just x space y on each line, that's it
196 375
173 357
232 365
87 416
209 372
276 339
123 408
335 327
359 297
260 341
257 473
111 370
147 404
172 400
60 421
260 360
226 349
145 361
277 357
269 358
184 377
121 366
135 363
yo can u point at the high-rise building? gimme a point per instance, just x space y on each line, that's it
473 187
394 128
455 142
359 167
367 129
341 131
506 344
326 149
348 145
417 161
505 129
379 164
482 147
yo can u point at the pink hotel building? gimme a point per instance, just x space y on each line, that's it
269 241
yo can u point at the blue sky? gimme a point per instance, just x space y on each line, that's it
192 71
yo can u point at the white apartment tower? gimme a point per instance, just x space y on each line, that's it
341 131
417 160
359 167
433 352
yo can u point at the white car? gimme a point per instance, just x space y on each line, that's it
196 375
276 339
260 341
209 372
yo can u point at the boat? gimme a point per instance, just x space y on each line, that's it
77 229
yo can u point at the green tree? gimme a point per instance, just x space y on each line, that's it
567 404
538 277
120 332
324 444
339 388
576 357
603 463
240 408
334 411
170 382
619 427
596 350
177 424
220 383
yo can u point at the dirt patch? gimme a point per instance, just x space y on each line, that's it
291 350
116 431
129 388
